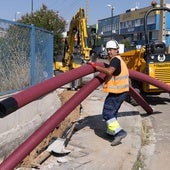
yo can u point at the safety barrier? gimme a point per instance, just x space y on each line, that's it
17 101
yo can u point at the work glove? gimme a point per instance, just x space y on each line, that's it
93 64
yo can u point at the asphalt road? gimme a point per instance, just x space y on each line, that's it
157 154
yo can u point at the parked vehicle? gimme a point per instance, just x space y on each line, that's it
103 54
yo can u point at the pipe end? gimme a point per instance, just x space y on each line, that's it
8 106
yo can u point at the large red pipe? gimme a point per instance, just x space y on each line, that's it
140 100
26 147
19 100
150 80
26 96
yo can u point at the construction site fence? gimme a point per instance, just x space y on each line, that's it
26 56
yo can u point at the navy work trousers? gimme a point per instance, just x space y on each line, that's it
112 104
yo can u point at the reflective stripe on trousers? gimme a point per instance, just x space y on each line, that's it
113 126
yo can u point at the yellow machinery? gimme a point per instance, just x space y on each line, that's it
152 59
75 44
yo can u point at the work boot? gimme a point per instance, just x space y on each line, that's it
118 137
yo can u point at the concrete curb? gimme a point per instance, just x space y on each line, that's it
17 126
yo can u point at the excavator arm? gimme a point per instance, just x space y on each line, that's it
76 39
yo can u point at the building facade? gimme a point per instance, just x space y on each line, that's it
130 25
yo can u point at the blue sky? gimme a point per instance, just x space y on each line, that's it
97 9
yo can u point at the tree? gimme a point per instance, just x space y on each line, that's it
49 20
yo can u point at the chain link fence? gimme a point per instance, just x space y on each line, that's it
26 56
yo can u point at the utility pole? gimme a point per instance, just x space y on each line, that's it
162 31
87 10
32 8
111 19
16 13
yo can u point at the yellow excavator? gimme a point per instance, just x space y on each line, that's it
76 50
152 59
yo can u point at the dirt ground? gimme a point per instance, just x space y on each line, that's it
29 161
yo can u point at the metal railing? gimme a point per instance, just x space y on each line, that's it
26 56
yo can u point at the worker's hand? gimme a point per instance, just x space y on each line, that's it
93 64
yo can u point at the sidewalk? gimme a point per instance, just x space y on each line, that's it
90 146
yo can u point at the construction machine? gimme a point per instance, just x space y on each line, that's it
152 59
76 50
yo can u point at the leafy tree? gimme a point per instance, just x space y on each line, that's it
126 42
49 20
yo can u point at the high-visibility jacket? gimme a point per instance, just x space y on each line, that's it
119 83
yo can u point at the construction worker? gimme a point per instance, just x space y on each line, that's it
117 87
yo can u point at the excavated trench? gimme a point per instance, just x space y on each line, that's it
58 132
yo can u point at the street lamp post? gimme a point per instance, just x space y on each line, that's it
32 6
16 13
112 9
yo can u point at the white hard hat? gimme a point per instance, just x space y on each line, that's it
112 44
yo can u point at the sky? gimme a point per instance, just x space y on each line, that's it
95 9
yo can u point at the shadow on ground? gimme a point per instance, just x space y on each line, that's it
156 99
98 125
